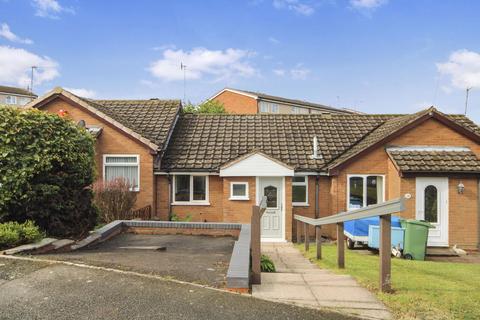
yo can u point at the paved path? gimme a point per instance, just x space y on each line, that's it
301 282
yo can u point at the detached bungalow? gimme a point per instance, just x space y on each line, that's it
215 167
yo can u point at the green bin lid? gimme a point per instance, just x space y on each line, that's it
419 222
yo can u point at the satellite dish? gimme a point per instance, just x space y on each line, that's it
82 123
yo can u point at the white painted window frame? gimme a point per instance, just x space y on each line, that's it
245 197
123 164
11 99
305 183
192 202
364 181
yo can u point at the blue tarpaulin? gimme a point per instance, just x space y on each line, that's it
357 230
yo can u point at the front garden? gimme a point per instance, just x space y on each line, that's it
46 170
423 289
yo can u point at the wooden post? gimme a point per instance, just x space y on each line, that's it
385 252
318 238
255 243
307 238
340 246
299 231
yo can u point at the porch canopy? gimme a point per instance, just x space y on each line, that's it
256 164
434 159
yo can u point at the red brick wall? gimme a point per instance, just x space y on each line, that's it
238 210
113 141
461 207
237 103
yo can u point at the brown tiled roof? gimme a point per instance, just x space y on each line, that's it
435 161
205 142
152 119
19 91
393 125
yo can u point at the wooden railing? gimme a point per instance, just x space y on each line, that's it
384 210
257 212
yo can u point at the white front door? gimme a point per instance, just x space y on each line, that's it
272 219
432 206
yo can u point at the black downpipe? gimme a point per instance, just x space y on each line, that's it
317 196
170 196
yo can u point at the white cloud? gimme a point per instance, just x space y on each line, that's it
367 4
15 67
279 72
6 33
463 67
82 92
49 8
200 62
294 5
299 72
274 40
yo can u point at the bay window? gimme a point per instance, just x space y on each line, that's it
364 190
190 189
122 166
300 190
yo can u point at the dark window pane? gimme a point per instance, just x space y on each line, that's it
299 193
239 190
298 179
182 188
374 190
356 192
199 188
271 193
431 200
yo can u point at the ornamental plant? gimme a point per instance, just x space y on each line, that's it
46 168
114 199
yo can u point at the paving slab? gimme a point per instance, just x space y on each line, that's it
298 281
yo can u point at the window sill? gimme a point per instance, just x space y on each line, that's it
239 199
300 204
190 203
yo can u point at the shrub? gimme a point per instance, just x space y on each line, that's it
266 264
46 166
211 106
14 234
114 199
175 217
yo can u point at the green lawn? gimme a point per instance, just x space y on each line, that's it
423 289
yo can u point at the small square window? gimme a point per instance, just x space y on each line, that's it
239 191
11 100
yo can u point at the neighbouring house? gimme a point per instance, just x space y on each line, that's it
15 96
215 167
249 102
131 135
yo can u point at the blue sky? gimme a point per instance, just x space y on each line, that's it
378 56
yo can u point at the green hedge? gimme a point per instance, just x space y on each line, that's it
46 168
14 234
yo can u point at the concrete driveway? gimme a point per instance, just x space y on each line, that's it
33 290
197 259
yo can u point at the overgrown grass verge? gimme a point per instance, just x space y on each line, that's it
423 289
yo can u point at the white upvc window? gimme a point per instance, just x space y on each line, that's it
364 190
239 191
190 189
300 190
11 100
126 166
268 107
